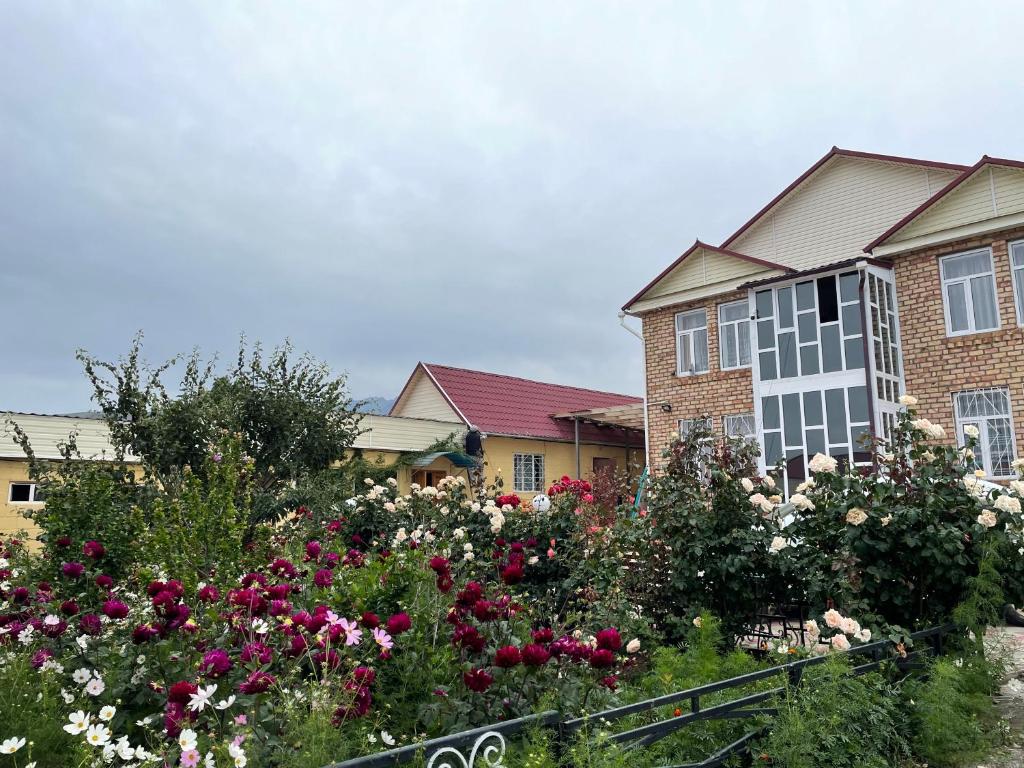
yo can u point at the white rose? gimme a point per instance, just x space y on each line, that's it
822 463
748 486
778 544
633 645
908 400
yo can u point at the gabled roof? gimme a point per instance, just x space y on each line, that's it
508 405
830 155
47 432
969 173
698 245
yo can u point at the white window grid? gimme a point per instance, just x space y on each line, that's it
1017 273
885 336
32 489
966 284
528 472
989 411
688 341
741 425
738 330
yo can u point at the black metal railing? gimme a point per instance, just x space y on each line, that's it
488 742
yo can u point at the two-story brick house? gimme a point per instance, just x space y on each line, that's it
868 277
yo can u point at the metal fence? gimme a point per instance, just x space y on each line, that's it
484 747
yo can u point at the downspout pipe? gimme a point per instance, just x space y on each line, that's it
643 364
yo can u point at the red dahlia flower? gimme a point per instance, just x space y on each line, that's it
93 549
399 623
609 639
180 692
535 655
115 609
602 658
478 680
507 657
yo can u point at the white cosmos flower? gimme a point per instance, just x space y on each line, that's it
387 738
97 735
78 722
25 636
95 687
199 700
83 641
107 713
50 620
209 762
225 703
82 676
68 698
125 750
12 745
260 627
187 739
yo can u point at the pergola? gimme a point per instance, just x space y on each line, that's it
626 417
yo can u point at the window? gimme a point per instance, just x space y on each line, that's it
734 335
528 472
989 411
740 425
692 342
688 425
969 293
1017 269
24 493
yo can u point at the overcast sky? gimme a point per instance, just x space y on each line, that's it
478 184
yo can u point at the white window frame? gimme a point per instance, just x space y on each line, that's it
31 492
686 337
750 436
982 424
966 282
536 468
732 326
1018 296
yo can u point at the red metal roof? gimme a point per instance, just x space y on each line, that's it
697 244
508 405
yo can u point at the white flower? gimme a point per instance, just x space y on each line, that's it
832 618
208 761
78 722
849 626
83 641
372 738
199 700
95 687
987 518
747 484
68 698
12 745
801 502
778 544
811 628
840 643
124 749
633 645
972 431
885 520
1008 504
822 463
1017 487
82 676
97 735
260 627
225 703
856 516
768 481
864 635
50 620
25 636
806 485
187 739
908 400
698 622
387 738
765 505
107 713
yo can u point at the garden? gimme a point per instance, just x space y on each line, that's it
254 596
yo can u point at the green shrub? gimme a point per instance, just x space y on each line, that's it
837 720
951 713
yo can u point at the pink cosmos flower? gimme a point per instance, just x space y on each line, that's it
383 639
190 758
353 634
241 720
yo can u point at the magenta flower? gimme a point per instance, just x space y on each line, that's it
323 578
383 639
72 570
115 609
190 758
215 663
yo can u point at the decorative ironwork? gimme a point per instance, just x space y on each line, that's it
491 754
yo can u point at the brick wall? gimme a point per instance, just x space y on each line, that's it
716 393
936 366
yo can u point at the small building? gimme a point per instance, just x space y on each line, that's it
532 432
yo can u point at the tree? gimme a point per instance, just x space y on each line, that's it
292 417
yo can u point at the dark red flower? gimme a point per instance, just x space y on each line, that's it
478 680
543 635
115 609
144 633
180 692
215 663
364 675
90 624
507 657
209 594
535 655
283 568
370 620
611 682
312 550
63 541
609 639
257 652
257 682
512 573
93 549
39 657
69 608
399 623
438 564
103 581
72 570
323 578
602 658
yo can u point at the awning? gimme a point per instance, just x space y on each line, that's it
458 459
625 416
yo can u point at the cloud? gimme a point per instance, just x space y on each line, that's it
474 184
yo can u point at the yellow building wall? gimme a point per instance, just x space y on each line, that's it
11 518
559 459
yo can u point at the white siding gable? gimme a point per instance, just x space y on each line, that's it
394 433
423 400
838 210
991 192
702 269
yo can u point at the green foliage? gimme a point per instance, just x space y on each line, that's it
835 720
951 713
201 532
292 417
